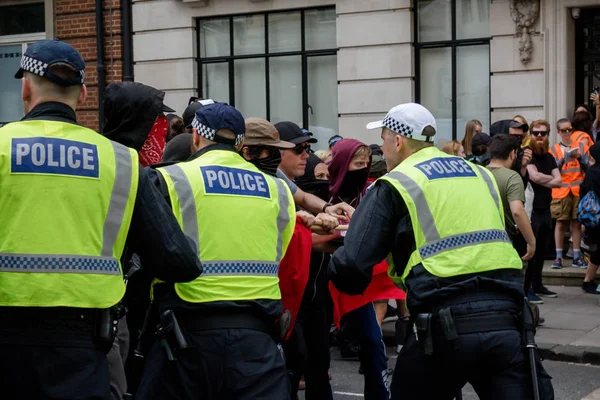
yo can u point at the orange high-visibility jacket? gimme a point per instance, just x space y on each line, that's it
571 173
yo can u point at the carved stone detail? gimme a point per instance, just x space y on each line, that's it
525 14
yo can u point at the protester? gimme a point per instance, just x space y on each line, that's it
582 128
312 324
324 155
378 169
544 176
480 153
135 117
503 151
454 148
349 170
176 126
472 128
333 140
572 161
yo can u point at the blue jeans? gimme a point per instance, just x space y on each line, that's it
363 324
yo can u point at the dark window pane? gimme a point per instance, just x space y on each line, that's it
22 18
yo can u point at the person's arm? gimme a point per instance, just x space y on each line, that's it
549 181
164 250
370 238
314 204
520 215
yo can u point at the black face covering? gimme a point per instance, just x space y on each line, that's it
269 164
318 187
354 183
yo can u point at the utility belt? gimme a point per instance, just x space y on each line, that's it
176 325
444 323
100 325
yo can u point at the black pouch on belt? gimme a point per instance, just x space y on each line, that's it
105 328
423 332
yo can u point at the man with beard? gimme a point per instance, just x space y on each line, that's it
544 175
503 151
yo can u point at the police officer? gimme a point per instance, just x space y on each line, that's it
224 341
440 219
69 197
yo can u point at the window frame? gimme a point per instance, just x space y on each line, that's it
453 43
266 55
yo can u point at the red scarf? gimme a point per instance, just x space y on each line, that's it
152 150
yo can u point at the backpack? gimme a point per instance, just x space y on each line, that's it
588 212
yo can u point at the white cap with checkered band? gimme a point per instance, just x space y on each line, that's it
411 120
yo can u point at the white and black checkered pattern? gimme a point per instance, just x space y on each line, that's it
34 66
398 127
39 68
210 133
204 130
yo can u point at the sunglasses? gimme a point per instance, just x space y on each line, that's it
300 148
567 130
539 133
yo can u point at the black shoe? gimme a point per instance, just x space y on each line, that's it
590 287
543 291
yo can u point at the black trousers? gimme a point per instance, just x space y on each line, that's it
307 353
541 223
494 363
52 360
222 364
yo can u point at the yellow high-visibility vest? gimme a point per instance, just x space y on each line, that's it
456 214
241 221
66 201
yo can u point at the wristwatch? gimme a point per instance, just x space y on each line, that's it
325 206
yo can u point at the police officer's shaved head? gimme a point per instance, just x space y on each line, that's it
52 70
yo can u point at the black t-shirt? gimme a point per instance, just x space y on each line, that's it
544 163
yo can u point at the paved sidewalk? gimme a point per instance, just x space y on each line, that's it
572 328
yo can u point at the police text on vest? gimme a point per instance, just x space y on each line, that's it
234 181
42 155
446 167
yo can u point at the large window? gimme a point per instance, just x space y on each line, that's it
20 25
453 63
279 66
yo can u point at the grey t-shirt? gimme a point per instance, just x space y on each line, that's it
291 185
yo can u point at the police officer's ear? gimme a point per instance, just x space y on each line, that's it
82 95
240 146
195 140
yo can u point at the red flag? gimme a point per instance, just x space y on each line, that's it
381 288
294 269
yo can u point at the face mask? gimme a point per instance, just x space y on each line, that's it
269 164
354 182
152 150
317 187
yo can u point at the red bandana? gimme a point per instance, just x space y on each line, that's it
152 150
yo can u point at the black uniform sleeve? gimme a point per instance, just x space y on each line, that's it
156 237
380 224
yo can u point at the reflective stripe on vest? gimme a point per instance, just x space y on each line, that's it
106 263
283 216
235 267
183 188
73 264
571 173
434 244
189 214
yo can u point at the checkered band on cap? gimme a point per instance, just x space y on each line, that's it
39 68
204 130
398 127
34 66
